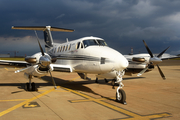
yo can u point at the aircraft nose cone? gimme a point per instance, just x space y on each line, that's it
125 63
121 62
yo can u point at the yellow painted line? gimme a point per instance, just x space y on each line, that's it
74 79
25 102
88 100
104 103
13 100
149 117
54 91
6 69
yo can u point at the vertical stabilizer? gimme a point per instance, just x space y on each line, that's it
48 38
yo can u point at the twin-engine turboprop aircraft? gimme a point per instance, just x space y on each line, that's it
88 55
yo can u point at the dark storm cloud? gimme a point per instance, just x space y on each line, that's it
122 23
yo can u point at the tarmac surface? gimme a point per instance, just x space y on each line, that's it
148 96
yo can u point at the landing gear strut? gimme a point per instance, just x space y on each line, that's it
30 86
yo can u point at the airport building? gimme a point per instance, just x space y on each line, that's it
4 55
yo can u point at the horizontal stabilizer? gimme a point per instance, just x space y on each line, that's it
42 28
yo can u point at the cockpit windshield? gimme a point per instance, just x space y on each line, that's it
102 42
94 42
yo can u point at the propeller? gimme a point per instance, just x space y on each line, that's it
154 60
45 62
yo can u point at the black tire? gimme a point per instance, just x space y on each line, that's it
122 98
33 86
113 83
27 87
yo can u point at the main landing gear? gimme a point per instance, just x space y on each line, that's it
30 86
96 81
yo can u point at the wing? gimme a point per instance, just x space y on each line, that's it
168 56
14 63
56 67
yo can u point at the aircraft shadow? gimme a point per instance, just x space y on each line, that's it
130 78
74 85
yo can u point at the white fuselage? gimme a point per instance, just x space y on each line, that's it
94 59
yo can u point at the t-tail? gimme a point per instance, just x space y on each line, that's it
47 33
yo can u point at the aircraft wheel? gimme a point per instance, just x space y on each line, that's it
33 86
122 97
96 80
27 88
113 83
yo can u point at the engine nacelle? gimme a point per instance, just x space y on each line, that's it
30 59
137 59
38 56
34 71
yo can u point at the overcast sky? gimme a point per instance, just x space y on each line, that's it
122 23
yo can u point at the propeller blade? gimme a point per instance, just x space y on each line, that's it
161 73
149 51
53 80
162 52
39 44
139 74
22 69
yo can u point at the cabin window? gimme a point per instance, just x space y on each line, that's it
77 46
66 48
60 49
69 47
63 48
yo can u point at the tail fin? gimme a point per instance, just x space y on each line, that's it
47 32
48 38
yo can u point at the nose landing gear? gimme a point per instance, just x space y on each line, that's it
120 93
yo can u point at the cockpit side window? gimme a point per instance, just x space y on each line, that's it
81 45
